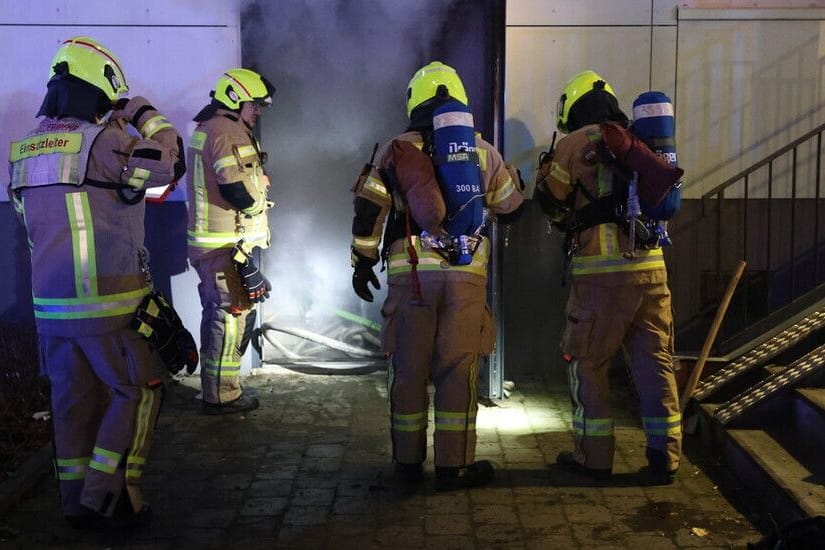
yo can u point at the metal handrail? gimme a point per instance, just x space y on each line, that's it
786 273
764 162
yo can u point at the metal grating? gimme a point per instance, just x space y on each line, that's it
761 354
795 372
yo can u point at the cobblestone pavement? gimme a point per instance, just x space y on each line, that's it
311 469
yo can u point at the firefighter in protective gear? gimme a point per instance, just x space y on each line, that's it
76 181
437 325
616 298
227 203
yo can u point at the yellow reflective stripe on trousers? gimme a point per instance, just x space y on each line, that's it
644 260
104 460
71 468
226 364
218 368
81 227
134 467
143 423
428 260
92 307
662 425
453 421
592 427
412 422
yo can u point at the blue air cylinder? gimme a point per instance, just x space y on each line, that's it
654 123
456 162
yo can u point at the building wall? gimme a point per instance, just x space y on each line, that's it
172 53
745 77
744 81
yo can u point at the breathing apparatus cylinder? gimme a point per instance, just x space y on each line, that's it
654 123
456 162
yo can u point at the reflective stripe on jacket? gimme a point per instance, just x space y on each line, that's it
222 151
602 248
500 195
55 152
430 260
88 259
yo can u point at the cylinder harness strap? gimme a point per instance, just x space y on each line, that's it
416 285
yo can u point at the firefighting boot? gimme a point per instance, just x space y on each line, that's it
566 461
462 477
242 404
658 472
125 516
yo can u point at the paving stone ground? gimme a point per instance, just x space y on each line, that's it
311 469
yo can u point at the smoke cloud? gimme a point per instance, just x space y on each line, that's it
341 69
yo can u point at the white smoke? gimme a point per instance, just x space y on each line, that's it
341 70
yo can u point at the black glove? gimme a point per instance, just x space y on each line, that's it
363 275
157 321
256 285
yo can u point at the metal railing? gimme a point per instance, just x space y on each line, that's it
768 215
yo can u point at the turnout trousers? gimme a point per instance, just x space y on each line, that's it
601 317
439 338
106 392
227 322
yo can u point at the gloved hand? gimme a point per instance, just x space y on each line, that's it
256 285
157 321
361 277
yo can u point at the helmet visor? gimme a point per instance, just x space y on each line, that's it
560 106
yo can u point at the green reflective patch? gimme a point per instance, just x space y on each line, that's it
44 144
197 140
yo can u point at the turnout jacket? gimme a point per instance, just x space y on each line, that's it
224 155
89 265
601 249
403 179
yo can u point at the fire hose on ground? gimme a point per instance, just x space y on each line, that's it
360 360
